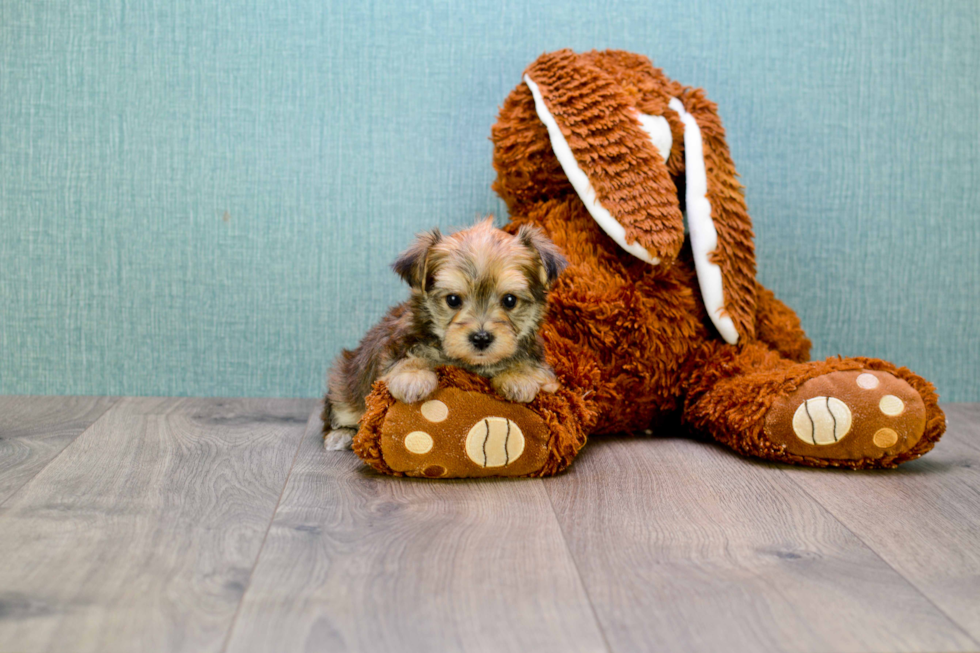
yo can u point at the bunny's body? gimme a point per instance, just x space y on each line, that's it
652 323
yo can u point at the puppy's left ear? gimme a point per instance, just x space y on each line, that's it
412 265
552 260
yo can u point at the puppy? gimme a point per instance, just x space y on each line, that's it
478 299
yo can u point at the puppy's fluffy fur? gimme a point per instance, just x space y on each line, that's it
478 299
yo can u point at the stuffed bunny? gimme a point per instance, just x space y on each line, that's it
658 321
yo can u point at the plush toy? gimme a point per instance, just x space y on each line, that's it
653 323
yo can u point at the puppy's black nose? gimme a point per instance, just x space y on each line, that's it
481 339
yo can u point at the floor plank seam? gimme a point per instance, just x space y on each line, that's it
870 548
578 572
265 537
114 401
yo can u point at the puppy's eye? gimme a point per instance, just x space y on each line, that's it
454 301
509 301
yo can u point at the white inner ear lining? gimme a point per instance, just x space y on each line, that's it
580 181
658 129
704 237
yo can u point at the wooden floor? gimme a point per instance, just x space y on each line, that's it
222 525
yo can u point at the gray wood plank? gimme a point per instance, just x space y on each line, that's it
923 518
356 561
685 546
33 430
963 423
142 534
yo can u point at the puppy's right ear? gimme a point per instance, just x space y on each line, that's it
552 260
413 264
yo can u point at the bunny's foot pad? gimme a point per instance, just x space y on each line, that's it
470 433
856 415
471 439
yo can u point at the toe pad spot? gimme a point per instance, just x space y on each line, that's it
885 438
418 442
434 410
867 381
891 405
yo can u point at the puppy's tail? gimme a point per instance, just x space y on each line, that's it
326 415
337 391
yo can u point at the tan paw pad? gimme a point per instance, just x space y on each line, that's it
822 420
494 442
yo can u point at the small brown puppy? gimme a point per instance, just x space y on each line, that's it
478 299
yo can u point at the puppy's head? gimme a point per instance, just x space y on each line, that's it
481 291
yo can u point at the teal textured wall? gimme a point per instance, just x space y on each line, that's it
203 198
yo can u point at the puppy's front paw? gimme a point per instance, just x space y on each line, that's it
339 439
522 384
413 385
522 388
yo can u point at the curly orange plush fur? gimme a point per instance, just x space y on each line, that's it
642 330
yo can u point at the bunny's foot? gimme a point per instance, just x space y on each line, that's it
848 415
465 430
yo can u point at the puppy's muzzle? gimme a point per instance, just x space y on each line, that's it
481 339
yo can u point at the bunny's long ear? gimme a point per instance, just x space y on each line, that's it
608 152
719 223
